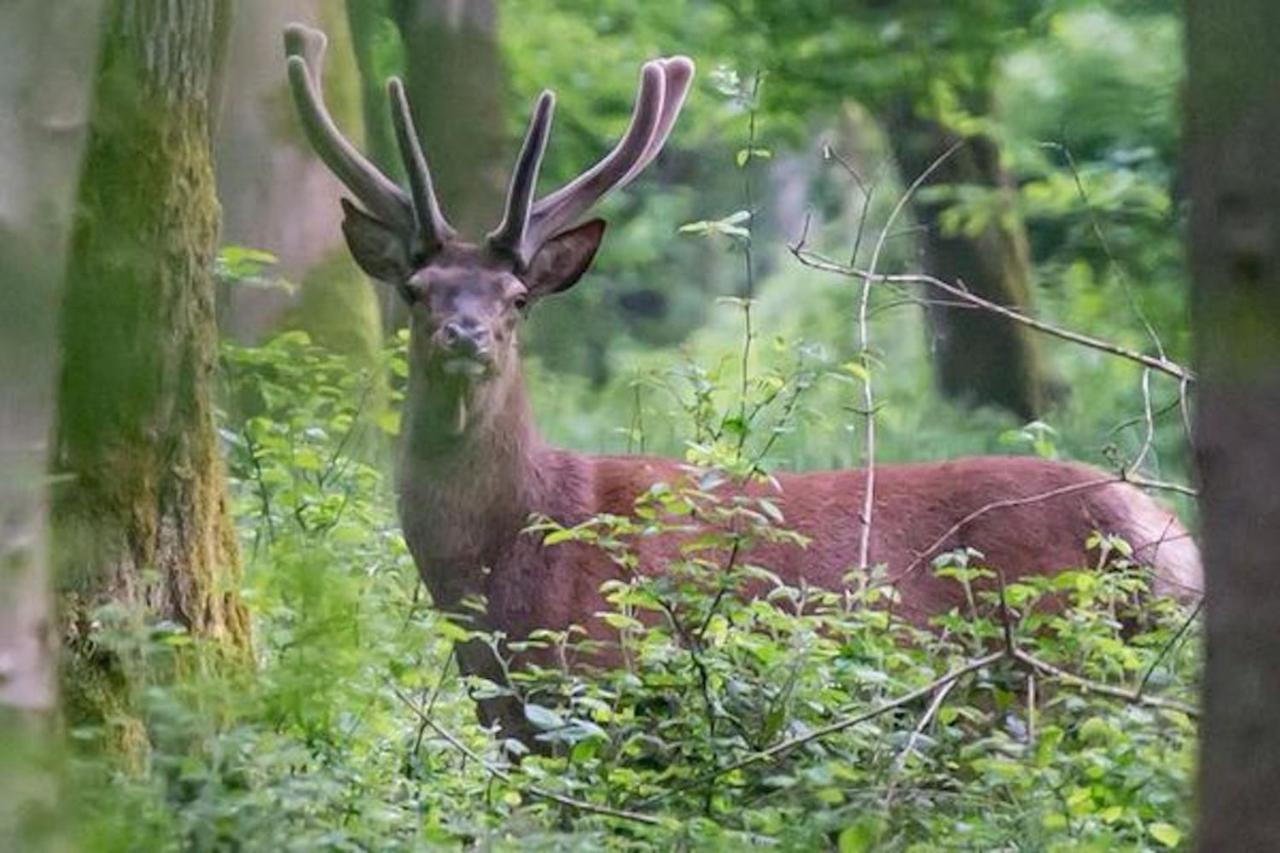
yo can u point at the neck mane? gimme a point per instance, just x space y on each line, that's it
471 474
451 422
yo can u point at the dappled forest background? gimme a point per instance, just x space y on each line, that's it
248 660
1066 200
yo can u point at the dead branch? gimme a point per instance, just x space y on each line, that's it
1162 365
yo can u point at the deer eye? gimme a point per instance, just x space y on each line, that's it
521 302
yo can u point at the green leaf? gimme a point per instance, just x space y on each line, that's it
543 717
389 422
729 226
555 537
771 509
1166 833
861 836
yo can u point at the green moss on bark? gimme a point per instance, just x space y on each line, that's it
141 513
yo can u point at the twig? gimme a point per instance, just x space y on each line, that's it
864 347
927 717
831 153
1149 418
992 507
1168 647
530 790
1031 707
1161 486
1006 622
1138 419
1008 503
1016 654
835 727
748 335
1133 696
431 702
1185 406
1162 365
1134 304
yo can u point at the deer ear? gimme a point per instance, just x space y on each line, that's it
377 248
562 260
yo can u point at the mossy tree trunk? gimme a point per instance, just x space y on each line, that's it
368 22
453 71
276 193
1233 121
979 358
141 510
45 83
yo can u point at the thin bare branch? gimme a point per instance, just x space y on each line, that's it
1131 696
938 544
925 719
1168 647
864 345
1134 304
1161 365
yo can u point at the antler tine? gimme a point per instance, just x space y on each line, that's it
509 236
561 207
433 228
305 50
678 71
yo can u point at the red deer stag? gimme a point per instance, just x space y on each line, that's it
474 469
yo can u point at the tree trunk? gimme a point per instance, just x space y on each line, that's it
453 72
979 358
455 81
367 20
278 196
1233 121
45 84
141 516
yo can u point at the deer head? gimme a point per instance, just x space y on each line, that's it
466 298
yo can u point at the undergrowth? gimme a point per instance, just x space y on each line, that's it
746 713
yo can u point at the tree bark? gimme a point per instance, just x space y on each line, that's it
367 20
1232 123
455 84
45 83
978 358
278 196
141 517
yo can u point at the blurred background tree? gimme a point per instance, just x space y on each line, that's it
45 85
1233 119
1060 199
277 197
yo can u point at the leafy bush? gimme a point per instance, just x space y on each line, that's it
747 712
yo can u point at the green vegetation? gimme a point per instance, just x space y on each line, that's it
748 713
355 731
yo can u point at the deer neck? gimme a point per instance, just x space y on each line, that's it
469 474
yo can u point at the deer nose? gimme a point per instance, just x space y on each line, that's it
466 337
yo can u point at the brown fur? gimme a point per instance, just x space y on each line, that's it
464 507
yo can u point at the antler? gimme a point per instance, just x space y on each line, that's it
526 224
510 233
418 215
433 228
663 86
